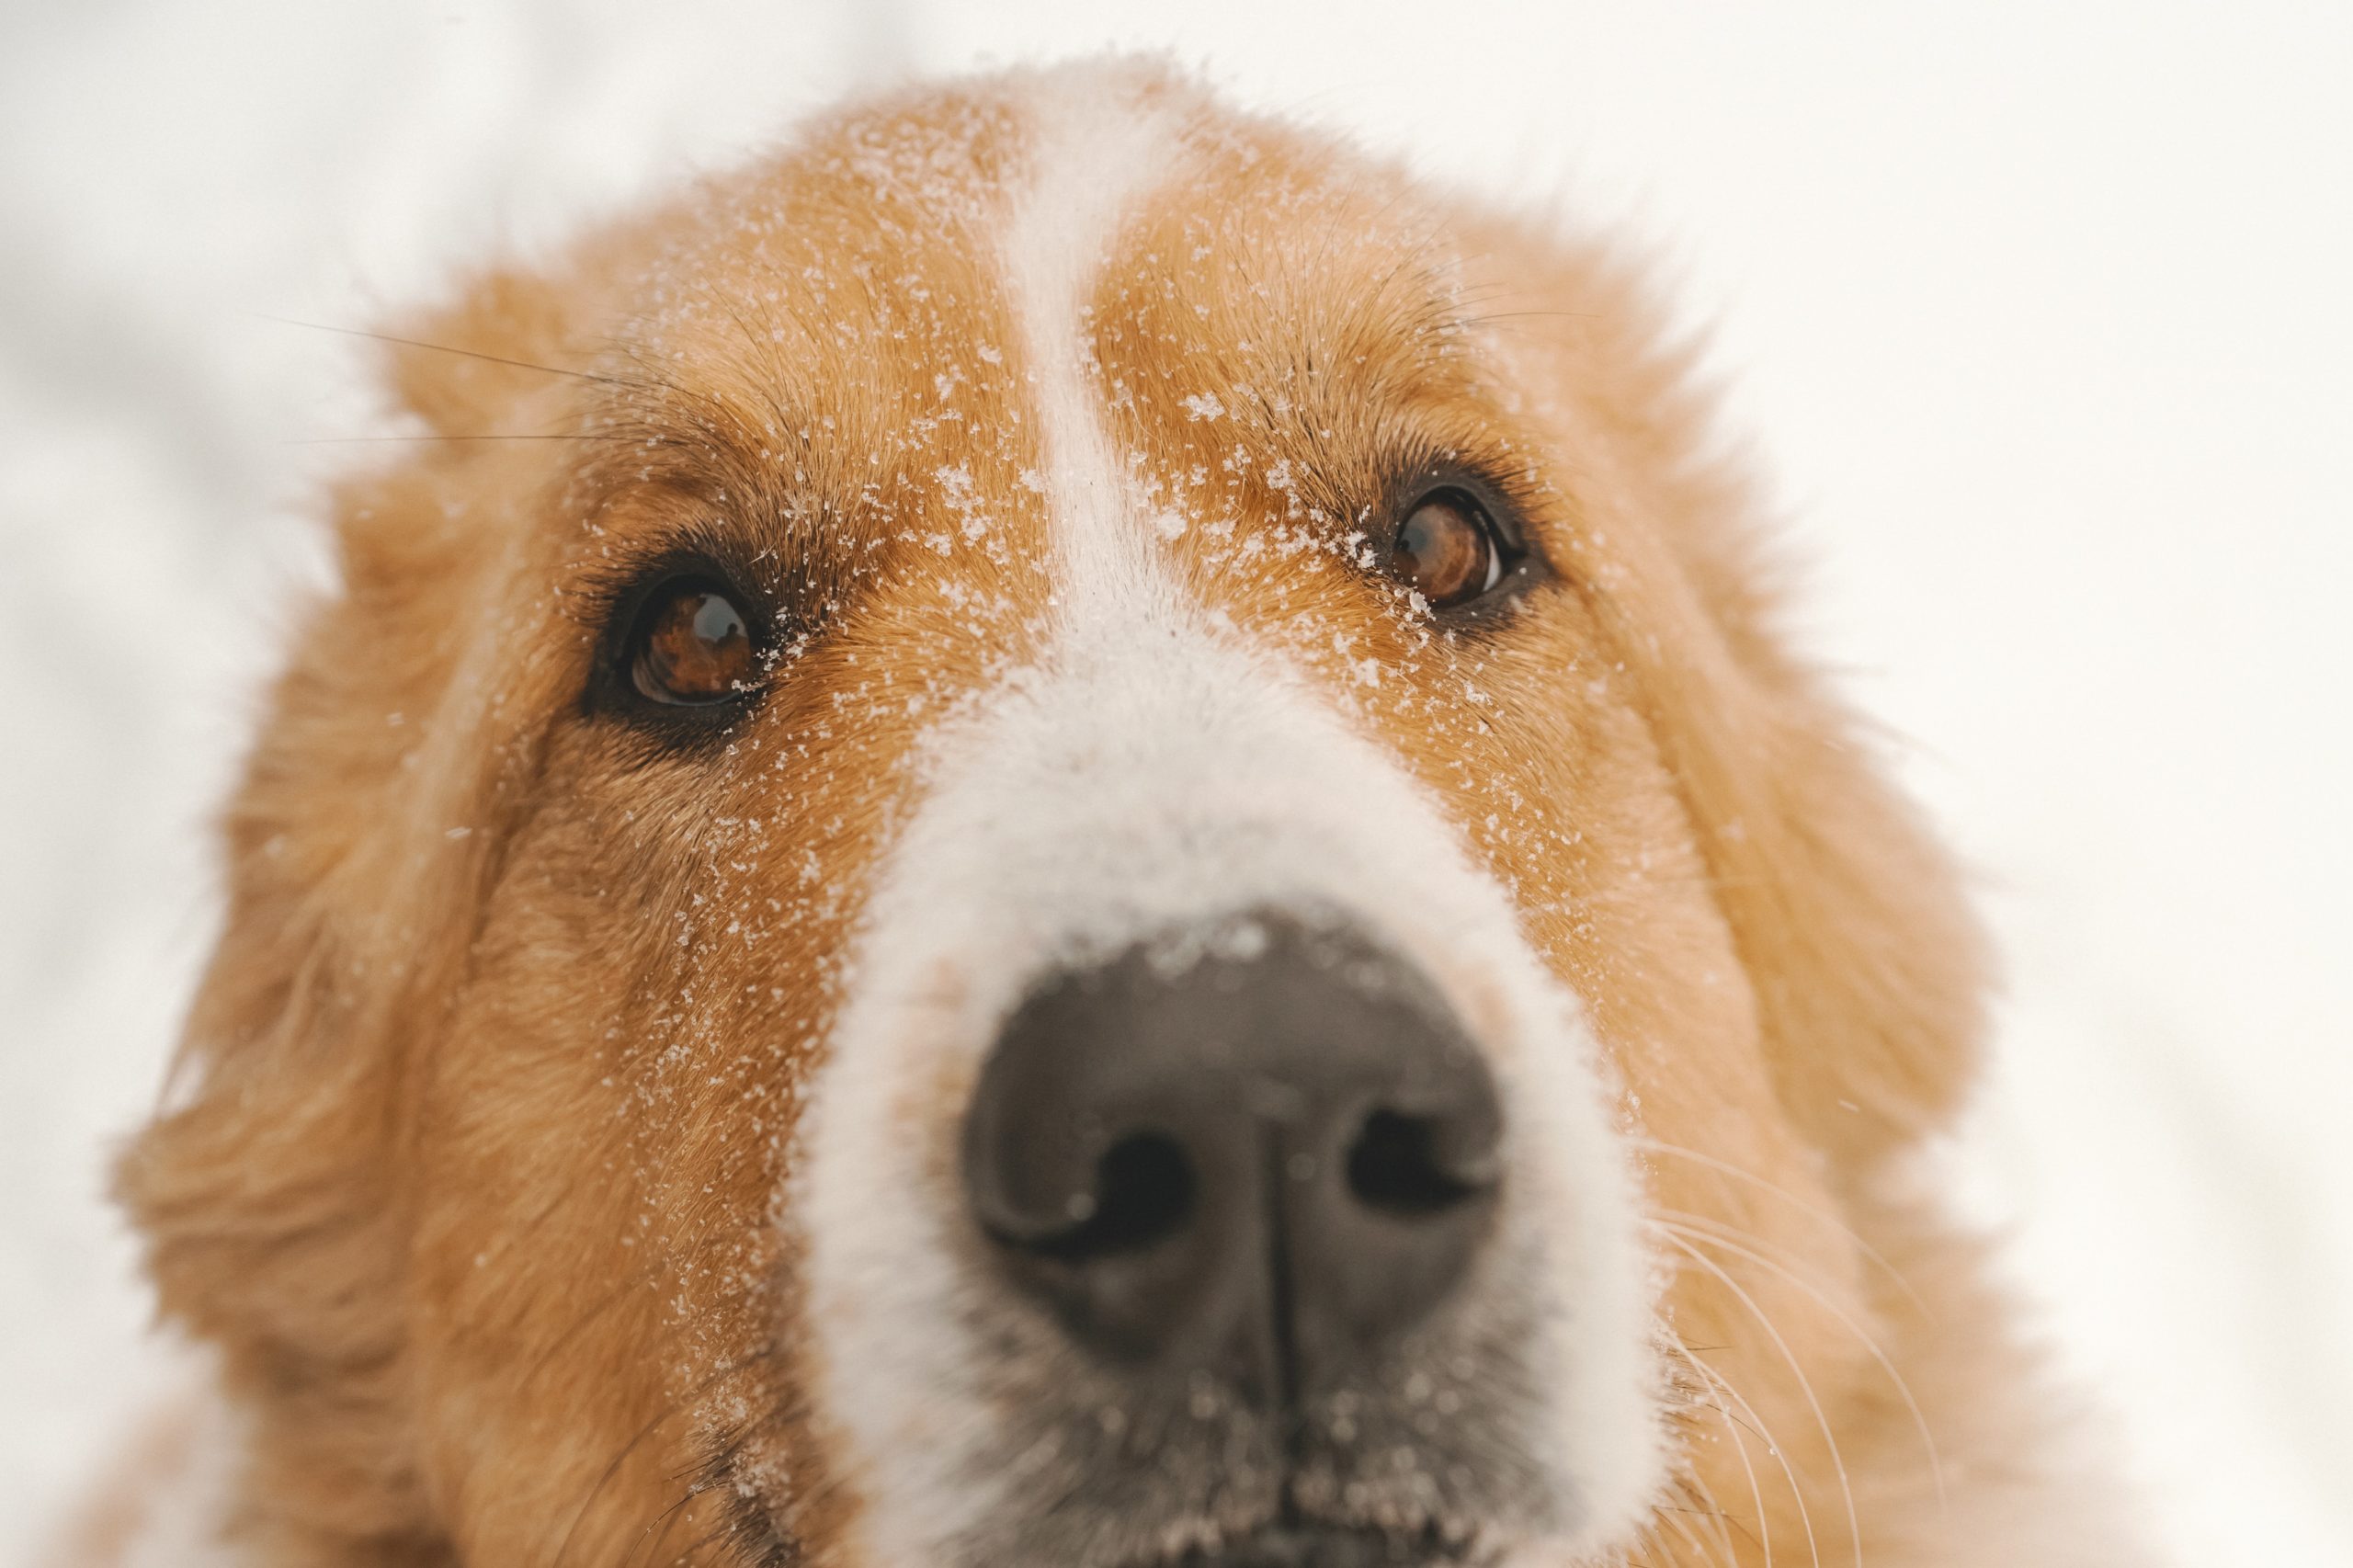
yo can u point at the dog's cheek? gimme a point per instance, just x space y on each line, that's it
568 1223
533 1314
604 1139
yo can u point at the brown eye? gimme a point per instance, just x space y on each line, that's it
1448 549
691 646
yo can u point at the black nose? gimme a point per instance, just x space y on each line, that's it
1263 1151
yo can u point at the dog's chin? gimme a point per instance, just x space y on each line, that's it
1304 1545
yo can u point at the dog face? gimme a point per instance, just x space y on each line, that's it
1102 865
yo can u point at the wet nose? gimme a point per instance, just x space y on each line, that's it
1262 1149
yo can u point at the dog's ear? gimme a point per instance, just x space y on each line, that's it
360 842
1869 968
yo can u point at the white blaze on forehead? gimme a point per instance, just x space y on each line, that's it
1097 155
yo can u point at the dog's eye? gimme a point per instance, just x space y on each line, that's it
691 645
1448 549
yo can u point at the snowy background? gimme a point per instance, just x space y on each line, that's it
2039 314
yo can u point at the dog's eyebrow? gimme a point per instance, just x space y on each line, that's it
744 453
703 438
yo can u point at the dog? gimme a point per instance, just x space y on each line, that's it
1069 830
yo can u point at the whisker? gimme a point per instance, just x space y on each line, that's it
1740 1445
446 348
371 440
1719 1537
1483 317
1902 1388
1805 1386
1724 1167
1672 1516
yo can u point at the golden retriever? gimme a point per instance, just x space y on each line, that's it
1068 831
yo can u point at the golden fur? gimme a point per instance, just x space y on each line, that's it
491 1087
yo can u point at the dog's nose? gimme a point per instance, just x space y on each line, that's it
1261 1151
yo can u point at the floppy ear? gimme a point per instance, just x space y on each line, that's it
1868 967
359 846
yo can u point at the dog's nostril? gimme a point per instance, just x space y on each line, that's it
1144 1194
1264 1162
1400 1165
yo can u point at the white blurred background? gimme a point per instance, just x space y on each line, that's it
2038 313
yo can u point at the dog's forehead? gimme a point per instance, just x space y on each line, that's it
887 277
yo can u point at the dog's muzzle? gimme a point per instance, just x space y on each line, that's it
1206 1169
